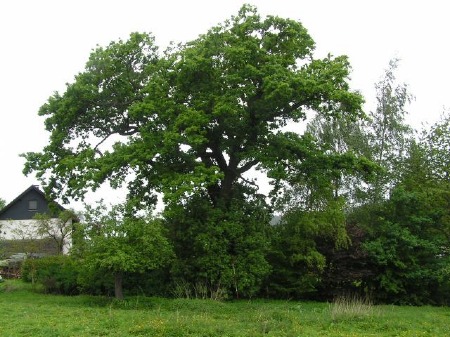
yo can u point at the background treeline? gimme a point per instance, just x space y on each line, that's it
386 236
363 199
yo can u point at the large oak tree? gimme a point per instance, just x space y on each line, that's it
194 118
192 123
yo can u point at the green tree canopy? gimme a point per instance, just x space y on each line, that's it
118 243
408 235
437 141
194 118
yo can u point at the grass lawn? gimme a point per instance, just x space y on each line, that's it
24 312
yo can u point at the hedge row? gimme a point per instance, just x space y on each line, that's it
57 274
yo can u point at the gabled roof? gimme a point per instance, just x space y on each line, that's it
28 190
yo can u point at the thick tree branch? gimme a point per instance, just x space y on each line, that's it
247 166
96 147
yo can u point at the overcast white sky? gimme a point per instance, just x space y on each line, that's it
45 43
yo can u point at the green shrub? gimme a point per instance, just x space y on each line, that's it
57 274
94 281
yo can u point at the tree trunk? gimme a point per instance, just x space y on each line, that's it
226 190
118 288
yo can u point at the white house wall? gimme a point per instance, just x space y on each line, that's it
26 230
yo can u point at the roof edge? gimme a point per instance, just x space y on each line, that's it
35 188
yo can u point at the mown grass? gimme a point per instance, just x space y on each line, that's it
24 312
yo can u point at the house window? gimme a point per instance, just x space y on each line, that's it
32 205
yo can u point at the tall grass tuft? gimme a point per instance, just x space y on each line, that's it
198 290
350 307
182 289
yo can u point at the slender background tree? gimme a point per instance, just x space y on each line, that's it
388 132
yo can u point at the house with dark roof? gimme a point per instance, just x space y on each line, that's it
19 226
